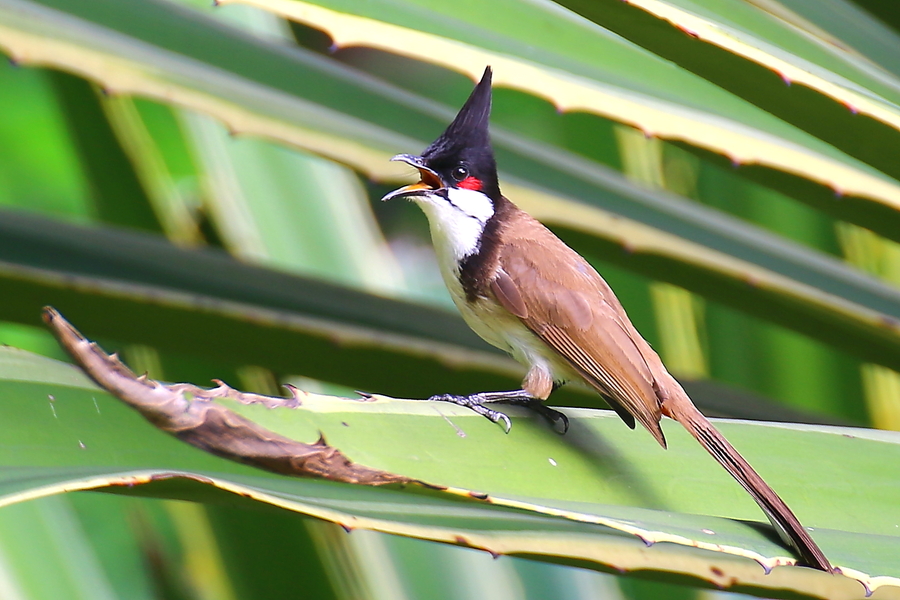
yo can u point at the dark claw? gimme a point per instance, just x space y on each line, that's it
492 415
552 416
565 422
507 425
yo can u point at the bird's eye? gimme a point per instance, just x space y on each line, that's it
460 173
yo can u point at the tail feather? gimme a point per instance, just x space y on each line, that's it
782 518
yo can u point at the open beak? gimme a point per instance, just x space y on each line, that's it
428 179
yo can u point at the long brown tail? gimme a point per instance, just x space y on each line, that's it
789 528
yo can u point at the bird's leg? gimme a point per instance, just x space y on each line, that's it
476 402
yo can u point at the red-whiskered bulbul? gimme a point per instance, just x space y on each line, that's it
525 291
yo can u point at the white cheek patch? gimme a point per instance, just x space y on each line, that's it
471 203
457 222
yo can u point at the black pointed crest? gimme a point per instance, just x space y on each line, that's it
467 139
470 127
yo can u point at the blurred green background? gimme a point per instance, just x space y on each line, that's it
97 185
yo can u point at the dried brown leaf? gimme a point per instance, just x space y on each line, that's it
189 413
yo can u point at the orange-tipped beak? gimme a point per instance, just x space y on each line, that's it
429 180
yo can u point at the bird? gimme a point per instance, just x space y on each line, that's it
523 290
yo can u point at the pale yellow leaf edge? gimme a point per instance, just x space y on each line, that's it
754 49
118 74
740 143
722 569
121 74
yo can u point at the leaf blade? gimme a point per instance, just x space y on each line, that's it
64 465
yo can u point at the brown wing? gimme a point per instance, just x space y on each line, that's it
567 305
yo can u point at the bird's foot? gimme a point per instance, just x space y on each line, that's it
476 402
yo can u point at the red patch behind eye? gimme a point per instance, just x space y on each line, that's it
470 183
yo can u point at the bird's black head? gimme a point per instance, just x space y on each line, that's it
462 156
